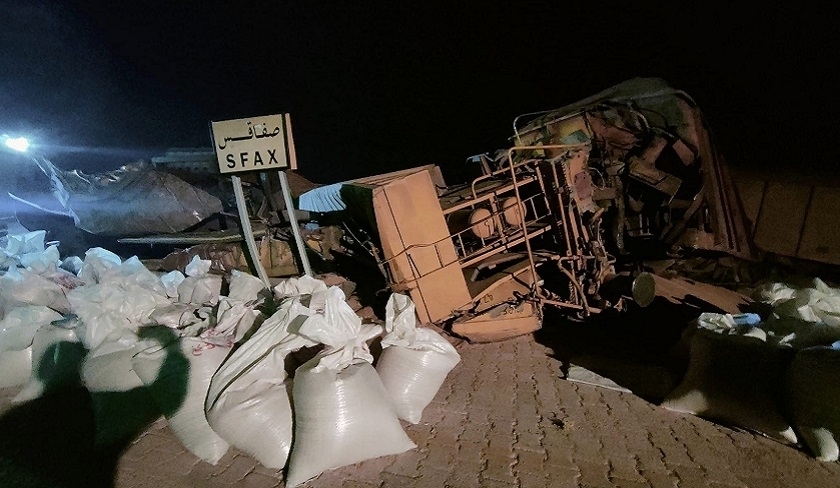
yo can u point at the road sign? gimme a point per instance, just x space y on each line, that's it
258 144
253 143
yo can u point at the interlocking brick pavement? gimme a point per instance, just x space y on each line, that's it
506 418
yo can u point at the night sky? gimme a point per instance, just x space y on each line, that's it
374 87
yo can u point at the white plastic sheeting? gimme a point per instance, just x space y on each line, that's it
817 303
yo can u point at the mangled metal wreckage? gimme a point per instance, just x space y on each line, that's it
135 199
585 193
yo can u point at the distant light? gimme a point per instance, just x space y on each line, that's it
18 144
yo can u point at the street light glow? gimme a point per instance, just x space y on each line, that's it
18 144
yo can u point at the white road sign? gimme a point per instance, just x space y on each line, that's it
254 143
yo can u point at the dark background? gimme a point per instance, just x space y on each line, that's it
374 87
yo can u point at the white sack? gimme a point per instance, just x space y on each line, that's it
133 273
56 360
178 376
72 264
257 419
311 291
304 285
341 418
110 310
197 267
342 412
341 330
813 389
200 290
248 402
244 287
43 261
18 327
414 361
171 281
27 249
735 380
277 333
235 318
15 367
29 242
108 368
117 299
175 315
236 313
97 261
20 287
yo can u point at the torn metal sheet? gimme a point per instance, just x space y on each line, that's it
653 141
133 200
220 236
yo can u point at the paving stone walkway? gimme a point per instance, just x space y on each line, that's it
505 418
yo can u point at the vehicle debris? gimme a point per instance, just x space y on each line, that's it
587 192
133 200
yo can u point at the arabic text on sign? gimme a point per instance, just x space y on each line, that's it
253 143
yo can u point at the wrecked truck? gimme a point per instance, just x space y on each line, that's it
583 195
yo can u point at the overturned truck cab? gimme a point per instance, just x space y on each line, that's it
585 193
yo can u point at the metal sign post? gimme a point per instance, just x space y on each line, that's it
245 220
253 144
287 197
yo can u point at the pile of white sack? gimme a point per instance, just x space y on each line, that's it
218 366
779 376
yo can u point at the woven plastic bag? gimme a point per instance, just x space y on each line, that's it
812 387
19 287
18 327
15 367
108 368
249 402
342 411
414 361
199 286
312 292
736 380
178 375
57 357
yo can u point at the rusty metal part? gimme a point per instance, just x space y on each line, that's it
484 257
